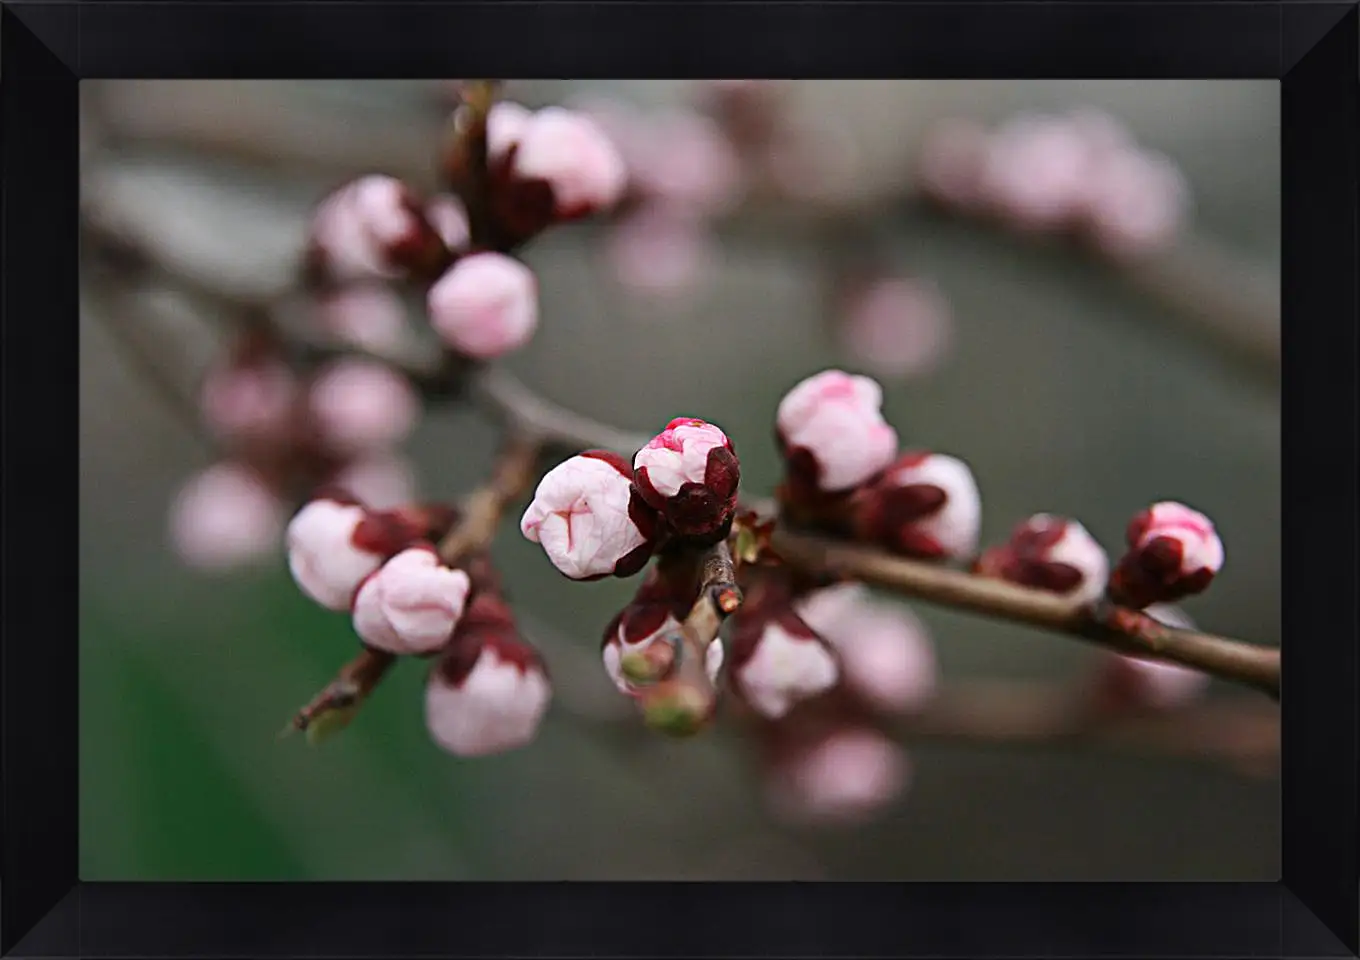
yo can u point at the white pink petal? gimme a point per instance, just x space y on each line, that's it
838 419
580 517
412 604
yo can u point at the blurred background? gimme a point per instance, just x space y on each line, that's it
1079 384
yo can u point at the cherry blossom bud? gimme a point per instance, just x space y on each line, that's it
485 306
844 777
951 164
642 644
885 651
326 553
895 327
505 125
659 251
225 517
249 400
924 505
1135 202
569 152
411 604
588 520
370 317
690 473
372 228
489 691
1124 682
359 405
1173 552
778 664
381 481
832 430
1050 553
449 218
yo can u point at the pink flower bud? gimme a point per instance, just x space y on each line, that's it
845 777
371 228
505 125
224 517
570 152
1037 172
381 481
780 664
449 218
952 161
1173 552
685 159
659 251
359 405
485 306
1135 202
1050 553
326 558
832 429
486 698
370 317
896 327
885 651
249 401
411 604
1124 683
924 505
587 520
690 473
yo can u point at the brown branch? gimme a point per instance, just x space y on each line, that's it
466 160
1122 630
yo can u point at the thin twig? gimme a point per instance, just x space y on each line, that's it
502 392
1125 631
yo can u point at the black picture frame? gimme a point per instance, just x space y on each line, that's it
46 48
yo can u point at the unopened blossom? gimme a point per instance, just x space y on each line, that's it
368 316
489 691
780 663
689 472
587 518
1124 682
895 326
250 400
923 505
832 430
658 250
1135 202
564 149
844 777
411 604
372 228
1051 553
485 306
1173 552
952 161
224 517
649 633
326 555
380 480
360 405
886 657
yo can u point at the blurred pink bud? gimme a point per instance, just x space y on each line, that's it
487 699
224 517
659 251
1173 552
573 155
448 216
485 306
250 401
360 405
836 421
371 317
785 664
326 558
411 604
924 505
952 162
381 481
586 519
367 228
690 473
896 327
885 650
1136 202
685 159
1050 553
505 125
845 777
1037 172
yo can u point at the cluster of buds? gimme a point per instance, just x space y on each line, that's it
844 473
488 689
1080 173
284 434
